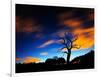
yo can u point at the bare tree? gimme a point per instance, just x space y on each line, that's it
68 42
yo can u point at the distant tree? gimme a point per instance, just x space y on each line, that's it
61 60
55 57
49 61
68 42
55 60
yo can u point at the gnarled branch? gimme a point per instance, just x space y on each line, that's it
64 51
64 41
75 39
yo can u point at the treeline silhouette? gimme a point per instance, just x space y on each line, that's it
55 61
52 64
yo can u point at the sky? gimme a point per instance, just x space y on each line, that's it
39 28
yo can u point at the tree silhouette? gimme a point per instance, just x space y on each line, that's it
50 61
68 41
61 60
55 60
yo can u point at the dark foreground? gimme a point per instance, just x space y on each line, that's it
82 62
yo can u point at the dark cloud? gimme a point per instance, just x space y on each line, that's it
87 24
79 18
27 25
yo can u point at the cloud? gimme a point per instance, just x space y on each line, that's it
18 23
66 15
18 59
44 53
91 15
85 37
82 31
49 42
59 33
28 59
31 60
73 23
27 25
73 20
46 43
81 25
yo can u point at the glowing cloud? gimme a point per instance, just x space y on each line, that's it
73 23
83 26
18 59
31 60
86 37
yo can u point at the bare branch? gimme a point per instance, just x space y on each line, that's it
74 45
64 51
64 42
75 39
59 50
70 41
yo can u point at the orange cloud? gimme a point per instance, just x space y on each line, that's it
74 23
65 15
18 59
85 37
82 31
27 25
18 23
31 60
68 19
78 27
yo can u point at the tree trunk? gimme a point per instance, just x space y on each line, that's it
68 56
